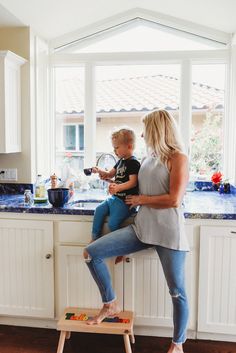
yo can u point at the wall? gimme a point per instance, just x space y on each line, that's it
17 40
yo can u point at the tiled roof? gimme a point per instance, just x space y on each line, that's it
135 94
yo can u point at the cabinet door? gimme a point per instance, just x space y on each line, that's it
26 268
217 280
146 291
76 286
10 96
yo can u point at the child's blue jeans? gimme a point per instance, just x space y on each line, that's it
117 211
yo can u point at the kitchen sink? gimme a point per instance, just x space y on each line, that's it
85 205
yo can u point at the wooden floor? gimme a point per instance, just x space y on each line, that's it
15 339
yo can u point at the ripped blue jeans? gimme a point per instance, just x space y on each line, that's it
123 242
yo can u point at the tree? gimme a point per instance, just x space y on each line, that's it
206 149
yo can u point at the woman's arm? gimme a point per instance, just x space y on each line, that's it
178 167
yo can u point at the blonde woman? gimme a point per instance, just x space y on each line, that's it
159 222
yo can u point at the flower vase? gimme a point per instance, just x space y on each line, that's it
215 186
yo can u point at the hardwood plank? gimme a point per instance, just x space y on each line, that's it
14 339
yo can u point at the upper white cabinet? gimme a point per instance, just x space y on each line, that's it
10 99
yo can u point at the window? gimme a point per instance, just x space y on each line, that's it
125 93
97 92
207 120
73 137
69 137
69 118
143 35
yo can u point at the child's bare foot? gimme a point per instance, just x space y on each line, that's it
175 348
119 259
108 310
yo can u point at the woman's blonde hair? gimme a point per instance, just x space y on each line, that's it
124 135
161 134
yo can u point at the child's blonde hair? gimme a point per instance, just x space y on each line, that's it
161 134
124 135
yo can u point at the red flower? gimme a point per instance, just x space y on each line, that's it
216 177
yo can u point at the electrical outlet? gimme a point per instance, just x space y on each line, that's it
2 174
8 174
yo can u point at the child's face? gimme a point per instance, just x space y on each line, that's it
122 150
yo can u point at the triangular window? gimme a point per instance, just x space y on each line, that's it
142 36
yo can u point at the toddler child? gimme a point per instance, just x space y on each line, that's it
125 174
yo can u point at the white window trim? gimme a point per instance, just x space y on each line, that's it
139 13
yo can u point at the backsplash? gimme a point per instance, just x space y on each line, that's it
207 186
6 188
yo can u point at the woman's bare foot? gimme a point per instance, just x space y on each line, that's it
175 348
108 310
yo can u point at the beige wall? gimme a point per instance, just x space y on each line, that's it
17 40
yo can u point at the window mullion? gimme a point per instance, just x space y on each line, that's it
89 116
185 103
229 147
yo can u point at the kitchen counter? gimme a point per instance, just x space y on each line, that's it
196 204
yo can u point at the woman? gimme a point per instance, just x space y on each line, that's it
159 223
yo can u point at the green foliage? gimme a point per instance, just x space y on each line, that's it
206 149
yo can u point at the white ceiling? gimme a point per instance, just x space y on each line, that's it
7 19
54 18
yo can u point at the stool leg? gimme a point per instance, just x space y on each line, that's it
127 343
68 335
132 338
61 342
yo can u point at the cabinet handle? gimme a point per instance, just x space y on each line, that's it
127 259
233 232
48 256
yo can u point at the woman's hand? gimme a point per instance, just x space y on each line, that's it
133 200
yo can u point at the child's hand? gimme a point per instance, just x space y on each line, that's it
113 188
95 170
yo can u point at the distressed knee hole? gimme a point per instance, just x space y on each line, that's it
175 294
87 257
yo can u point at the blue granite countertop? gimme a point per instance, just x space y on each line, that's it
197 204
82 203
209 205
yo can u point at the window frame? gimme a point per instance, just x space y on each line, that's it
184 58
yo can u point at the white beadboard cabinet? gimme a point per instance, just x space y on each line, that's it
33 283
27 273
217 280
10 102
75 285
146 291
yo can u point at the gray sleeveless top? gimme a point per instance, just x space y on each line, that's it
164 227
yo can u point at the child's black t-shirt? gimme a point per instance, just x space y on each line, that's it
125 168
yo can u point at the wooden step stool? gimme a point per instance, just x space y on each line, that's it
115 328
